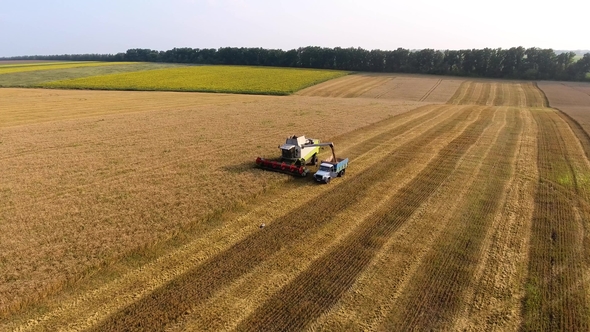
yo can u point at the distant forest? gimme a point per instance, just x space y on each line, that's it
514 63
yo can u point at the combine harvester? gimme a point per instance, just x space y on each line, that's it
298 152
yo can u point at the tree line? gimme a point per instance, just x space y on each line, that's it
514 63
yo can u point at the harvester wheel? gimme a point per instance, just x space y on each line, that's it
314 160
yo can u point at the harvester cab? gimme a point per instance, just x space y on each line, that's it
294 149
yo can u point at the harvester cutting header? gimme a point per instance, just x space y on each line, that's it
297 153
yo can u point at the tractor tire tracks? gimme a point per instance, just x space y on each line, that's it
434 297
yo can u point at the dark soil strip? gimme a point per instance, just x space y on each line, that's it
435 296
555 295
318 288
171 301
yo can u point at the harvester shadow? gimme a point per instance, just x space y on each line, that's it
244 167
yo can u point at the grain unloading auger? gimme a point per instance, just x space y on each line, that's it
296 154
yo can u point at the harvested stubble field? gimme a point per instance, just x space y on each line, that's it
469 215
387 86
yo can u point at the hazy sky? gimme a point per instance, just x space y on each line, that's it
30 27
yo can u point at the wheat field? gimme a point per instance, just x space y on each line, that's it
464 207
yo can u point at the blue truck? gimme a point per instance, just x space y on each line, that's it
331 168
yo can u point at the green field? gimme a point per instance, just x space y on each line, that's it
227 79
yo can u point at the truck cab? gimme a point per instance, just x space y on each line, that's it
331 169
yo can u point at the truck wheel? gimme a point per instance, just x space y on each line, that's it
342 173
327 180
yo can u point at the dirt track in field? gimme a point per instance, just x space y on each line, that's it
465 216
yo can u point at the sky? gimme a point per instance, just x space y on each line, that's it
37 27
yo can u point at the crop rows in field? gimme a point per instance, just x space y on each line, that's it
229 79
284 267
441 223
324 283
111 166
556 295
498 94
386 86
424 89
436 294
169 266
395 268
326 280
346 87
197 285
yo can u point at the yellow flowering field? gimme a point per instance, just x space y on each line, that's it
17 68
228 79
